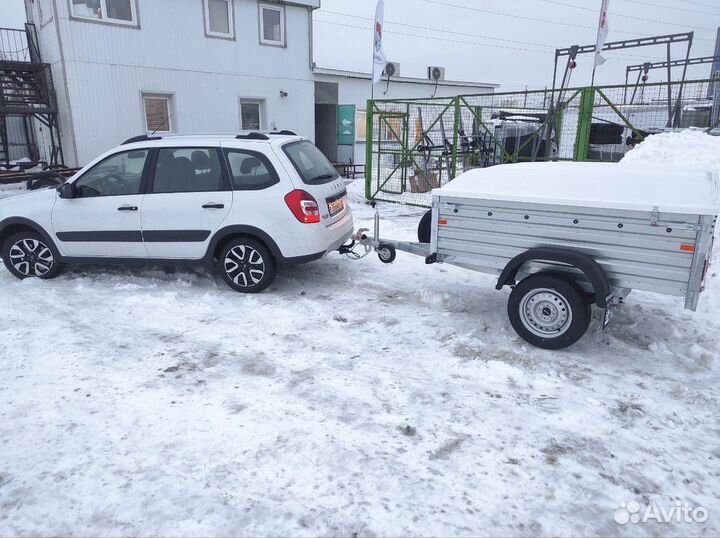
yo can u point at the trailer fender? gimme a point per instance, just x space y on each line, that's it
583 262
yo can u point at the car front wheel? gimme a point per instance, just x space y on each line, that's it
27 254
247 265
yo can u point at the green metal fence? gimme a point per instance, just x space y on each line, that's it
415 145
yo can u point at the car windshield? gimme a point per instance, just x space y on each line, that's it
311 164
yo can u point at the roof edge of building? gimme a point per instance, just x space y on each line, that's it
342 73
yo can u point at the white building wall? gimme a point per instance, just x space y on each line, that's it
202 103
357 91
40 12
107 68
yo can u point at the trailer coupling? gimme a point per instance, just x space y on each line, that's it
362 243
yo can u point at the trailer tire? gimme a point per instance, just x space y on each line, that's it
549 312
425 227
386 253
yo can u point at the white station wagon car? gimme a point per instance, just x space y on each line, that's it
246 204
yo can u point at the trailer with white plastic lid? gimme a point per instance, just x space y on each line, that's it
565 236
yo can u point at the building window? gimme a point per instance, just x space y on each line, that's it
272 25
251 115
46 13
360 125
391 127
117 11
158 113
219 18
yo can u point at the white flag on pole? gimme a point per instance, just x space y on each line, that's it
379 60
602 33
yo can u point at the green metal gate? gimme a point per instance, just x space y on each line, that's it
415 145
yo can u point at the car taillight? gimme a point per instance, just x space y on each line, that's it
303 206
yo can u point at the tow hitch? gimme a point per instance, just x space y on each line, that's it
361 244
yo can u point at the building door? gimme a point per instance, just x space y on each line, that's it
326 114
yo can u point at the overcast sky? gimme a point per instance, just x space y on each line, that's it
510 42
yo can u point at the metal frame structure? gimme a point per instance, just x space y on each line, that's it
572 52
26 92
645 68
456 135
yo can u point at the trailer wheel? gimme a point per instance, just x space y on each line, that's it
386 253
424 230
549 312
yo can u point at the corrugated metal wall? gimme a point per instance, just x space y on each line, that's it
17 138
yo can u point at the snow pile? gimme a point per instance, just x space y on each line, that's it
690 148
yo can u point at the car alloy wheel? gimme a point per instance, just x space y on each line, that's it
31 257
244 265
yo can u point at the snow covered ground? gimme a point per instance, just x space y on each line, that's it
351 398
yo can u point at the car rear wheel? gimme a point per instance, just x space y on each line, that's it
27 255
549 312
247 265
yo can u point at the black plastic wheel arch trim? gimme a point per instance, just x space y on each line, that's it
11 221
585 263
250 231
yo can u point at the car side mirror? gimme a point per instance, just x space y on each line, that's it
67 190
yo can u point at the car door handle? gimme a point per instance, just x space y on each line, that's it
127 208
214 206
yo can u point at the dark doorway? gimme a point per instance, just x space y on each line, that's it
326 104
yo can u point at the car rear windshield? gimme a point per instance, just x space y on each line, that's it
310 163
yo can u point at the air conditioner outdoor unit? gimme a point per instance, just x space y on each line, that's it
392 69
436 73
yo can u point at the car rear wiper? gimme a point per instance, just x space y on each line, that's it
323 176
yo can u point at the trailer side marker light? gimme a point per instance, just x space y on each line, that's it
687 248
442 222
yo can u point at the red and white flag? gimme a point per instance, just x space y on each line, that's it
379 60
602 33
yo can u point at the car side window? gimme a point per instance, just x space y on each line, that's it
188 170
120 174
250 171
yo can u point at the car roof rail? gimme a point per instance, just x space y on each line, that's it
252 136
141 138
284 132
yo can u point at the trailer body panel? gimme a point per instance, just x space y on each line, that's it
657 251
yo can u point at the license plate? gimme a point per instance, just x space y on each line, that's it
336 206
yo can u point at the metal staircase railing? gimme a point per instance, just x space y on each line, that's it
26 93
